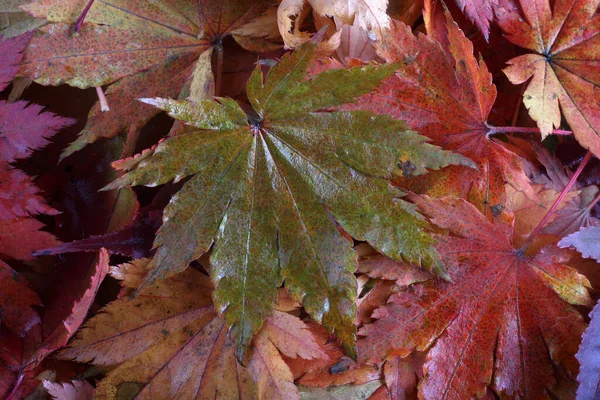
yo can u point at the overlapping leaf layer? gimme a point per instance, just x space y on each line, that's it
267 187
314 226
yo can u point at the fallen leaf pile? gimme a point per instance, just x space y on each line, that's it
299 199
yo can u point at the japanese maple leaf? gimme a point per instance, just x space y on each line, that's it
480 12
23 128
171 329
335 369
19 357
445 94
281 334
588 355
265 186
147 48
562 64
17 299
503 321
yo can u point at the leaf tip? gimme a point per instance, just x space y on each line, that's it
351 350
318 37
78 144
153 101
39 253
66 153
467 162
116 184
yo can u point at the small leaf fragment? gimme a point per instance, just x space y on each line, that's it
588 355
586 241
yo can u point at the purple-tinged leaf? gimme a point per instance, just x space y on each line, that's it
586 241
12 52
24 128
134 240
589 358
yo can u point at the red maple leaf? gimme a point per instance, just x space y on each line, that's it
479 12
20 357
16 301
23 128
445 94
504 321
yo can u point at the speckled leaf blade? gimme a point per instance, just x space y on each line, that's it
505 321
220 20
124 37
100 54
149 47
266 192
350 166
204 114
446 94
193 217
112 337
169 330
126 112
119 38
179 15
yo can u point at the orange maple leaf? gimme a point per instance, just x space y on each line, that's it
563 64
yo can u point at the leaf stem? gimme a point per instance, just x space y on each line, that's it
103 102
16 386
219 73
81 17
516 129
562 195
594 202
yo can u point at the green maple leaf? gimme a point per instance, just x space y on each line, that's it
268 188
